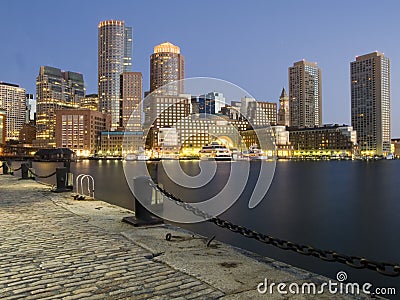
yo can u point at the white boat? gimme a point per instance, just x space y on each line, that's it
215 151
140 155
130 157
255 153
390 156
236 154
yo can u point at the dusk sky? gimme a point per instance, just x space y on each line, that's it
249 43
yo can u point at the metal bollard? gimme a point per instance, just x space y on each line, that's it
144 191
61 176
25 171
5 168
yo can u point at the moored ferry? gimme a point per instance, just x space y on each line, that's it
255 153
215 151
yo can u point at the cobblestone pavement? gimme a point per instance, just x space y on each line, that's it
54 247
48 252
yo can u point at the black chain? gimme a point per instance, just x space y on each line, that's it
41 176
384 268
13 170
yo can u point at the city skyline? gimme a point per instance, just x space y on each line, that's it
332 44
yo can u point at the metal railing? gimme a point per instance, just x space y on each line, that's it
79 185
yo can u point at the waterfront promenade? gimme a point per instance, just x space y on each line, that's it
55 247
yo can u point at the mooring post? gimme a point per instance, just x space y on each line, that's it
61 176
25 171
5 168
143 196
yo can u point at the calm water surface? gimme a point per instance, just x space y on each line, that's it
352 207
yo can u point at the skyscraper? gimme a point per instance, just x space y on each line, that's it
211 103
114 57
131 95
305 94
55 90
13 101
167 65
283 112
127 49
370 102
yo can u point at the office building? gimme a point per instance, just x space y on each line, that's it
55 90
80 129
370 102
211 103
74 88
27 134
120 143
305 94
30 113
232 111
114 57
127 49
167 65
395 148
163 111
90 101
261 113
258 113
328 140
3 130
131 97
284 112
13 101
197 131
283 147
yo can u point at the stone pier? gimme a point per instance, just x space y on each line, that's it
55 247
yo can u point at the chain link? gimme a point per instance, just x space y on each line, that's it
357 262
41 176
11 169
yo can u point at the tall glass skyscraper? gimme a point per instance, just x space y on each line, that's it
55 89
167 65
127 49
305 94
370 102
114 57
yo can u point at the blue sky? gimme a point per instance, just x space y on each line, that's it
249 43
